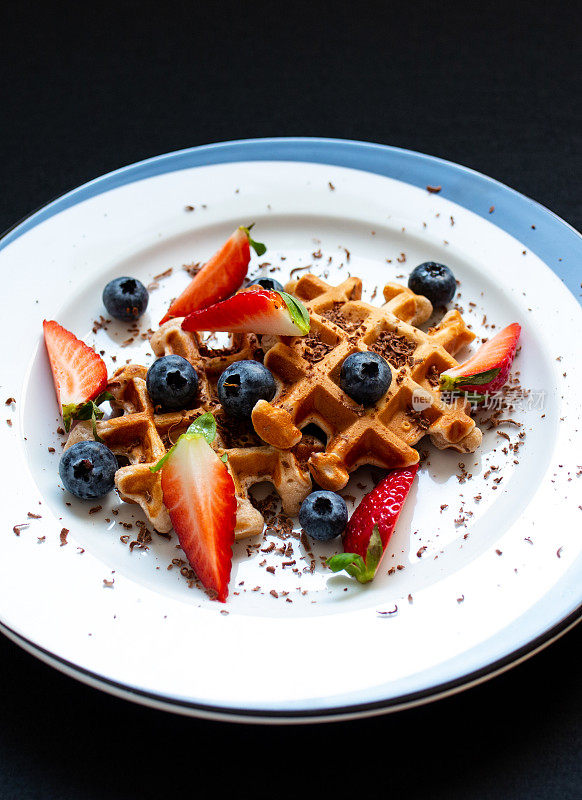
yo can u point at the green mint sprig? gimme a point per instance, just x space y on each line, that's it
363 570
203 426
84 411
259 248
299 314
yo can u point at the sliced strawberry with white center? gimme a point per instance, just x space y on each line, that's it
199 495
257 311
79 374
372 524
219 277
489 368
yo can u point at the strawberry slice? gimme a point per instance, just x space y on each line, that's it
488 369
257 311
219 277
371 525
79 374
199 495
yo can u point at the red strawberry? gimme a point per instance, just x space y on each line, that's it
199 495
257 311
79 374
219 277
369 530
488 369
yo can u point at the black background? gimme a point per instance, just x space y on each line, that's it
87 90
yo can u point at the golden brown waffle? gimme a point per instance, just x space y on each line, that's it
308 368
142 435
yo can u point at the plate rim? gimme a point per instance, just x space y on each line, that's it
306 149
335 714
350 153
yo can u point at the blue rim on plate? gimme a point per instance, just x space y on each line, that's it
553 240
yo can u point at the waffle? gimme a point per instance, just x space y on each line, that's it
307 370
140 434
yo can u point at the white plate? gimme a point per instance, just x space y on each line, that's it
485 592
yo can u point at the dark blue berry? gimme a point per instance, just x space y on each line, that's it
435 281
242 385
365 377
323 515
125 298
172 383
267 283
87 470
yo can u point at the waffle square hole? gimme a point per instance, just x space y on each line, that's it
318 343
409 415
428 373
333 411
393 345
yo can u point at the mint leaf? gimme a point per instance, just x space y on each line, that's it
224 458
354 564
299 314
68 413
205 426
82 411
85 411
259 248
103 397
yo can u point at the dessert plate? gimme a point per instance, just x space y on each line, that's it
485 566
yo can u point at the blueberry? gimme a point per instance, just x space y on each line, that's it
365 377
87 470
267 283
125 298
172 383
434 281
242 385
323 515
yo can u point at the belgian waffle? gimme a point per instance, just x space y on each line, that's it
142 435
308 368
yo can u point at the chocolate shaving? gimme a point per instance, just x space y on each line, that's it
298 269
314 350
419 418
397 350
192 269
335 315
20 527
433 376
